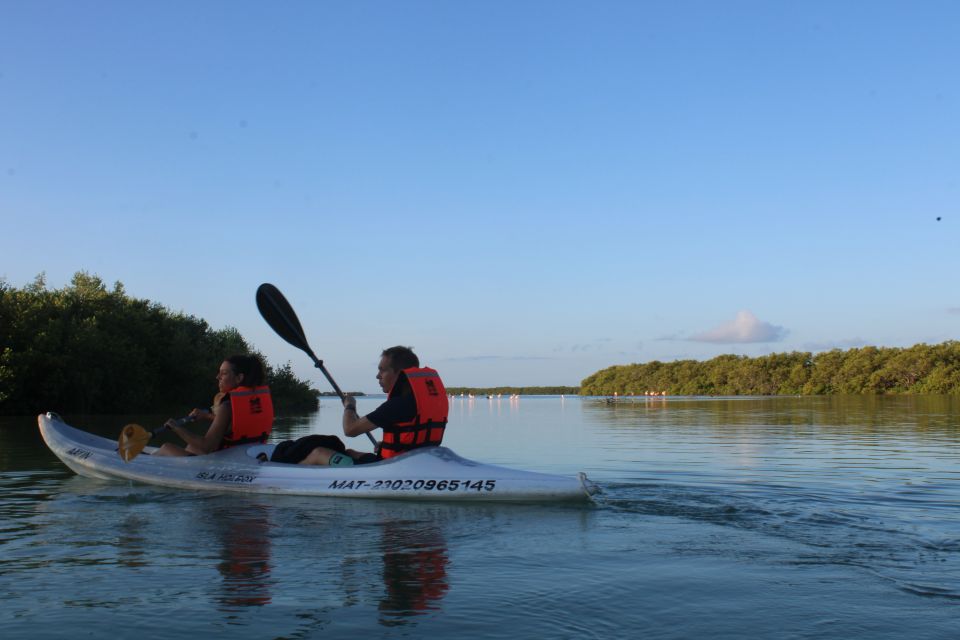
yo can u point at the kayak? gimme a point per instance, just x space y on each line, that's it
429 473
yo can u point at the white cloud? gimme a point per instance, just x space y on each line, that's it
745 328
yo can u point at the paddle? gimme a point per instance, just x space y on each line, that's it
283 319
134 438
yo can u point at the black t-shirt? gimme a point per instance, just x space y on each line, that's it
401 408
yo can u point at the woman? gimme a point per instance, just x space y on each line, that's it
242 412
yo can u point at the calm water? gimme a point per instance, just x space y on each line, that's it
720 518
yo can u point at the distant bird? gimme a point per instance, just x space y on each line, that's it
938 218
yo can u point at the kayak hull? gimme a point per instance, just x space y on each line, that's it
432 473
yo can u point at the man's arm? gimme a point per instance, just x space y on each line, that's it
353 424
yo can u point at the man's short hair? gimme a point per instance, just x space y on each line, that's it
401 358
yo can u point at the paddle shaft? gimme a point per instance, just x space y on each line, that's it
319 365
179 422
281 317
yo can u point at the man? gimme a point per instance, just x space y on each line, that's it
415 412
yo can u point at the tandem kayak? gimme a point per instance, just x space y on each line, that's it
431 473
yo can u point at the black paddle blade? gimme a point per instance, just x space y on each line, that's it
281 317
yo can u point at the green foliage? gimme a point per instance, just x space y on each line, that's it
921 369
290 392
88 349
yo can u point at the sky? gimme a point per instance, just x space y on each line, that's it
526 192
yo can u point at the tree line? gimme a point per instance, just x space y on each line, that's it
87 349
920 369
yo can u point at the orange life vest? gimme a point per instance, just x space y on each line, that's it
426 429
252 416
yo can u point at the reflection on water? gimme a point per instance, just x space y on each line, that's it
245 561
866 482
936 414
414 569
293 426
720 517
413 553
131 542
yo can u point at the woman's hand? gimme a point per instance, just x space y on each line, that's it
202 414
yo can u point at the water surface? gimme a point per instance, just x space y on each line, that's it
720 518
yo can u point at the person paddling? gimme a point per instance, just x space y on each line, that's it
243 414
415 412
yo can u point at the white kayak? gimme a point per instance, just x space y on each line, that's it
432 473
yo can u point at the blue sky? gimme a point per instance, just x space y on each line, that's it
526 192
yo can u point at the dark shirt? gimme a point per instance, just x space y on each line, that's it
399 408
402 408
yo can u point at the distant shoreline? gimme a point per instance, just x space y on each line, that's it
521 391
922 369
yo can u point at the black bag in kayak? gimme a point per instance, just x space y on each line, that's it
293 451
